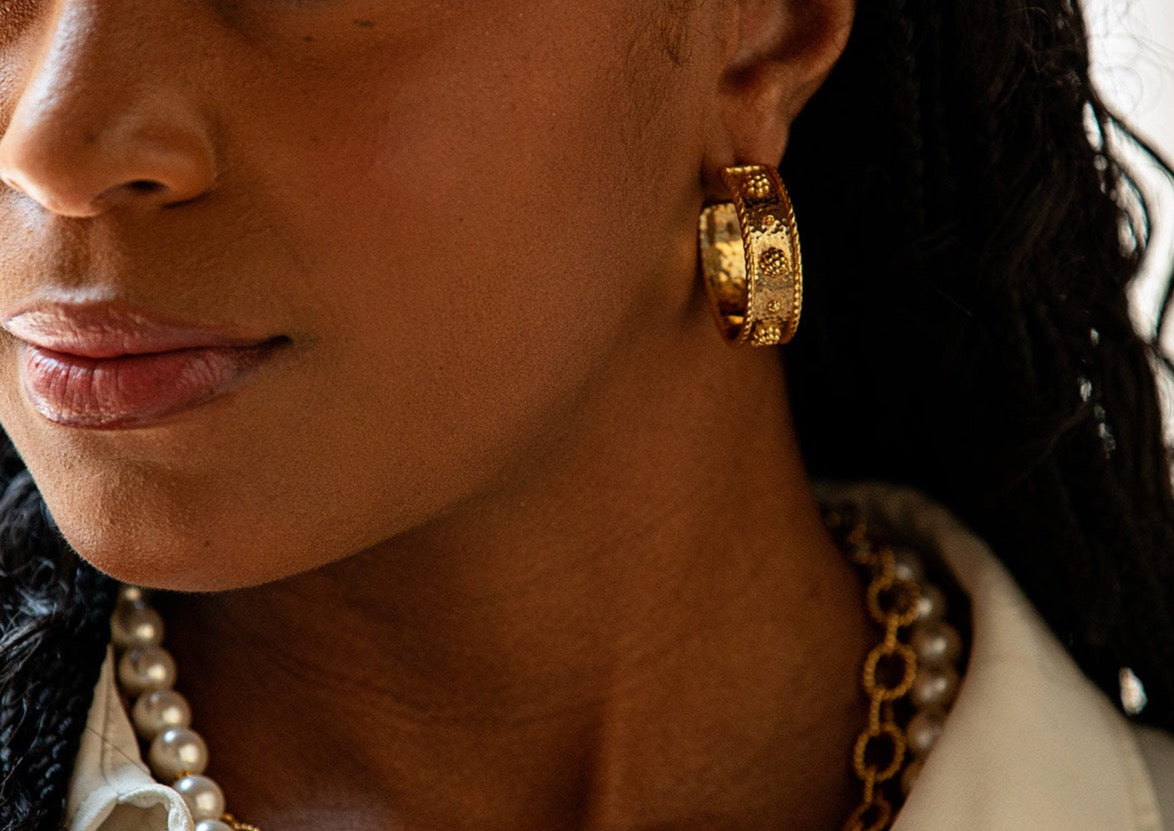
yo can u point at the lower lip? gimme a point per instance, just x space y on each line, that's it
131 390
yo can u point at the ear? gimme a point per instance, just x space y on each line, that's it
779 52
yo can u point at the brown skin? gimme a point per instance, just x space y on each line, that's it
544 551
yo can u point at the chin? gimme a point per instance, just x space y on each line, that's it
174 565
162 553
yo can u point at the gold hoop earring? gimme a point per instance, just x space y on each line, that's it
750 259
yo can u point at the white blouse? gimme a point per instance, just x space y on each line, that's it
1031 744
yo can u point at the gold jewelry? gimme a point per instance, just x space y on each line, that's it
750 258
910 677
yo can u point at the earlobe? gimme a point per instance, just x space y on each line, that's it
783 50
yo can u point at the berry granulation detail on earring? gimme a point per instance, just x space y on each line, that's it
750 258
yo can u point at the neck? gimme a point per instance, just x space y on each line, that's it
648 628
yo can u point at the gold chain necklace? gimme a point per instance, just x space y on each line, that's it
910 679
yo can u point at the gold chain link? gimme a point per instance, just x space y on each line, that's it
236 825
888 673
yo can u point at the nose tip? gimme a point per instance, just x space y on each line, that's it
142 159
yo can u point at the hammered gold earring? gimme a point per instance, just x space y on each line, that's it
750 259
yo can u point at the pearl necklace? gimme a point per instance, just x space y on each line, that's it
910 678
176 754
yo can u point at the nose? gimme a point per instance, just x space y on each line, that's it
90 133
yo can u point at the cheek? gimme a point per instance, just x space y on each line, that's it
459 251
474 242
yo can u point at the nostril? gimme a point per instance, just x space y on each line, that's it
144 186
131 192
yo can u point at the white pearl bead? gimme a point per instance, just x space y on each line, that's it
923 732
177 752
934 688
160 710
936 644
907 566
146 668
213 825
931 605
135 626
132 594
204 798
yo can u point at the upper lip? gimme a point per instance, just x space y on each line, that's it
105 331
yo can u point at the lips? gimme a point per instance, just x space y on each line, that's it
114 369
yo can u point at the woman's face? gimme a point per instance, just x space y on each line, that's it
388 242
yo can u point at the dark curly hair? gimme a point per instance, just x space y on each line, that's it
970 236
